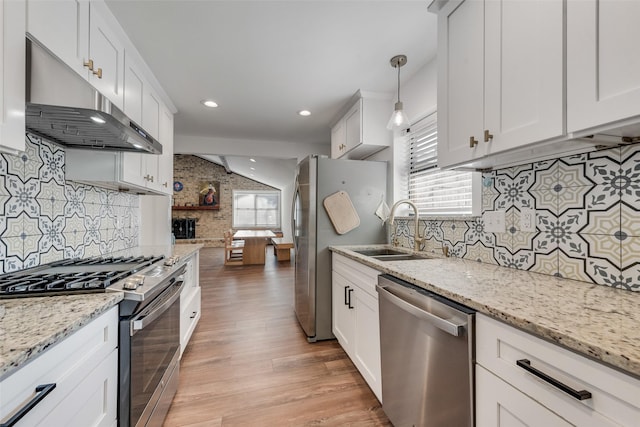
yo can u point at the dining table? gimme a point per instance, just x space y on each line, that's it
255 244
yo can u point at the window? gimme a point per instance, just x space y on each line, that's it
436 191
256 209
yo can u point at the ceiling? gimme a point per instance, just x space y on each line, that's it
262 61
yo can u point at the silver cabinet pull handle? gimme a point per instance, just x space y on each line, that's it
576 394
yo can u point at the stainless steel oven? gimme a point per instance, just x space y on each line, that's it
149 338
149 356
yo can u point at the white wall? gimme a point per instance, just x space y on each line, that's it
419 97
186 144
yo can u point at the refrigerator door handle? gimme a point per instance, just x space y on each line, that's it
296 196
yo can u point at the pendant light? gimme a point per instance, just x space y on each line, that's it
398 118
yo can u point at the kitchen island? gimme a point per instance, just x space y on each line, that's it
593 320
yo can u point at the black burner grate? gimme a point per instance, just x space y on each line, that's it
72 276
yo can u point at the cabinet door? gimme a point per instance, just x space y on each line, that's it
134 85
93 402
366 350
523 76
12 75
133 169
343 323
165 161
107 52
68 39
353 126
460 81
338 140
151 112
500 405
603 82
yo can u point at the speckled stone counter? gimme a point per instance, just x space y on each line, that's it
29 326
597 321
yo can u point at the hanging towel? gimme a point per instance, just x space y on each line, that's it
382 211
341 212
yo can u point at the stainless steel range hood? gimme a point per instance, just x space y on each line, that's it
65 109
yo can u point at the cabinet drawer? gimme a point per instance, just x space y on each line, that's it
68 364
614 395
189 315
359 274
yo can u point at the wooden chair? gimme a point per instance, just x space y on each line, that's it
233 250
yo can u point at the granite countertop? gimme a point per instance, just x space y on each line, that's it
594 320
29 326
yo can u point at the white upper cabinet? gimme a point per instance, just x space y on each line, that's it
361 130
69 38
165 161
85 38
603 63
106 52
500 77
12 76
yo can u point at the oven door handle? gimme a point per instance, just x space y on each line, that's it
143 319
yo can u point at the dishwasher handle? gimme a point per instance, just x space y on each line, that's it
455 329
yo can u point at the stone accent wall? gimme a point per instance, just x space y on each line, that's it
192 171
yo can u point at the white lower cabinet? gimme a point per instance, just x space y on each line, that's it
84 369
522 380
499 404
190 298
355 317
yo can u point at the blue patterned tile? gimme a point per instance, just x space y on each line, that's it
78 252
481 253
52 233
92 235
51 255
546 175
22 196
75 200
52 164
603 167
15 165
514 192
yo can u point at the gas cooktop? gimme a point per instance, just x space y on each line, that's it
72 276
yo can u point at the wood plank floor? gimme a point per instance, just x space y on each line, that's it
248 362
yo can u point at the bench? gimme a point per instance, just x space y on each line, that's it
281 248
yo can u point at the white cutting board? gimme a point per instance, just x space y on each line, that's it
341 212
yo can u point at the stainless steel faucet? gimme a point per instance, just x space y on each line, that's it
416 235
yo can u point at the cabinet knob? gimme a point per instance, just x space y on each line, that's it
88 64
472 142
165 185
151 178
98 72
487 135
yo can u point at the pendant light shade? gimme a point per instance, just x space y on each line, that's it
398 118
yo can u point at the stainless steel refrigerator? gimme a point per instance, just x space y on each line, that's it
313 232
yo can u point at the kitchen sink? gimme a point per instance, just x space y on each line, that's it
381 252
390 255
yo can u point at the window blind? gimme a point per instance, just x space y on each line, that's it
435 191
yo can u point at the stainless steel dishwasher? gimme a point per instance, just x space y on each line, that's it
427 357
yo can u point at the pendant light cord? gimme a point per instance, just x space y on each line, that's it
398 67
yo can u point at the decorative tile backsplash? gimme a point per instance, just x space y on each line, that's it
44 218
587 210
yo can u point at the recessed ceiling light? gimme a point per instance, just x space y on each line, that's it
252 160
304 113
252 169
209 103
